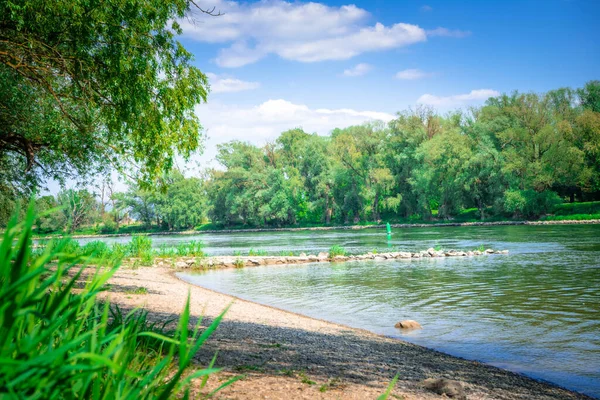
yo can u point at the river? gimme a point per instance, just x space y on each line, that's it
534 311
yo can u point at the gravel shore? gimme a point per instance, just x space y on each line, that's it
289 356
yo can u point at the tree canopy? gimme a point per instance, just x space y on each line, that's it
518 155
88 86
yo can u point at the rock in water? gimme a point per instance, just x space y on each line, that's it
408 324
445 387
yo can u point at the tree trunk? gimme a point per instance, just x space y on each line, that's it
328 210
376 208
481 209
102 208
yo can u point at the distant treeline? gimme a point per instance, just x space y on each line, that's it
178 203
520 155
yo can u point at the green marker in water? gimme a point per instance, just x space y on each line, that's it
389 229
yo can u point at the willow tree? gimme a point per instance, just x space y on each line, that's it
91 85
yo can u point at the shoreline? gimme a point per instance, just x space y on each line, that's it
287 355
330 228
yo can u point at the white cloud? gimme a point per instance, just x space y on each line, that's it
378 37
358 70
264 122
238 55
413 74
426 8
459 99
306 32
445 32
220 84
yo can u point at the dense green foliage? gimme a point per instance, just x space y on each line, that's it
591 207
519 155
88 86
337 251
60 343
181 205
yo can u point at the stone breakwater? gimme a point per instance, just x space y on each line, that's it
220 262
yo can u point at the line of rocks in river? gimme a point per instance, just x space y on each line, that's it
250 261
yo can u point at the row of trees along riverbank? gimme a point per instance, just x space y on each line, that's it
518 156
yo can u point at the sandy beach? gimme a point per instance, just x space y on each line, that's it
288 356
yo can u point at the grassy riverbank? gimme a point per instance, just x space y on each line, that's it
61 339
587 211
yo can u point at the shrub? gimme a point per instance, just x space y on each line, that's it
147 259
414 218
166 251
97 248
336 251
139 246
193 248
253 252
529 203
108 226
70 246
571 217
57 343
118 251
590 207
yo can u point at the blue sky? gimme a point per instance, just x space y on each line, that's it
275 65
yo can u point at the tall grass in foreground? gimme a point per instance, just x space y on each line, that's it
57 342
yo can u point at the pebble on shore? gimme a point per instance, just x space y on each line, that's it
445 387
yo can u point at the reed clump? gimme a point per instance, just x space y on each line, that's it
139 248
337 250
57 342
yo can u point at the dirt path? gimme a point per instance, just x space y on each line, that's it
289 356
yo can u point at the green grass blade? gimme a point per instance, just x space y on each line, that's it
389 389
